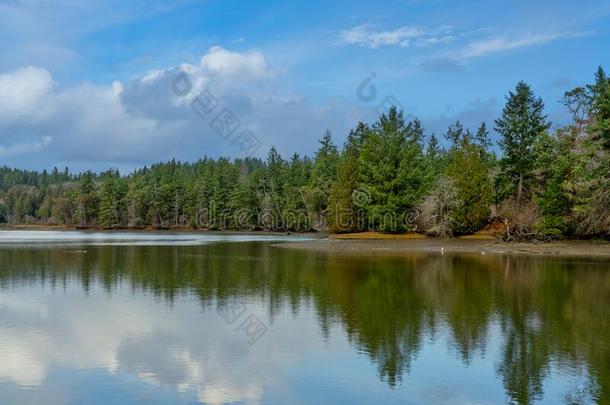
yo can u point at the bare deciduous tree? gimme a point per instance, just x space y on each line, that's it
437 208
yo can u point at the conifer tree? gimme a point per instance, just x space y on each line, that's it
600 107
522 122
393 170
88 202
324 172
470 173
111 201
346 200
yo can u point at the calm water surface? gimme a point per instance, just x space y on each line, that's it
162 318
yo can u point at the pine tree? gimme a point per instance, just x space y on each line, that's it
273 197
393 171
324 172
600 107
435 158
482 137
554 166
470 173
88 203
296 214
592 172
346 199
433 150
455 133
111 201
522 122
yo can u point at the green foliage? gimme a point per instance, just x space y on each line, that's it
470 171
600 107
435 157
112 201
88 200
554 172
393 171
345 210
324 172
592 187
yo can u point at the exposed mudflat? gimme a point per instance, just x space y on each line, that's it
400 246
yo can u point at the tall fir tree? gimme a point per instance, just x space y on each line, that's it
88 202
600 107
324 172
522 122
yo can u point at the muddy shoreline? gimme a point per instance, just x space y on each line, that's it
381 244
430 245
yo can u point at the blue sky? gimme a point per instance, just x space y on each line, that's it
87 83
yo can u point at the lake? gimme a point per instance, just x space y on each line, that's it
218 318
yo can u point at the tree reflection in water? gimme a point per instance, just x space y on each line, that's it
552 312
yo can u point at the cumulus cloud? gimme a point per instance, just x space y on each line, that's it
22 93
142 120
368 36
223 62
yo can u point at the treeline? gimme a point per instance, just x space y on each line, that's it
388 177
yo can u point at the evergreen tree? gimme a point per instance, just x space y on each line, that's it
435 158
433 152
346 204
296 214
482 137
592 172
273 198
600 107
324 172
470 173
522 122
554 166
455 133
111 201
393 171
88 202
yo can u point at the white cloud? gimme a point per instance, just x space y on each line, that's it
140 121
407 36
224 62
498 44
410 36
22 93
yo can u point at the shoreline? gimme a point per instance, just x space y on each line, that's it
398 247
374 243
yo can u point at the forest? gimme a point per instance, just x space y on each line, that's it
389 176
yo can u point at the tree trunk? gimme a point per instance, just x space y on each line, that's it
520 190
